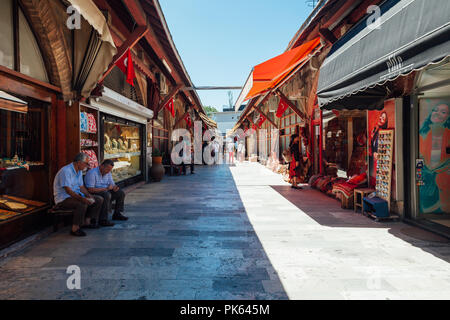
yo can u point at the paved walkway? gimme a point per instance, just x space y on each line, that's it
234 233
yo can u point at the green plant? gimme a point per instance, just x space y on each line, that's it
156 153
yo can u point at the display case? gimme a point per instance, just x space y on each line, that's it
24 186
122 141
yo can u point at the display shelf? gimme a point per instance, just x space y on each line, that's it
384 165
121 155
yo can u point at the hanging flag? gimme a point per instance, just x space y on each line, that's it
254 127
126 65
170 106
261 120
188 120
282 107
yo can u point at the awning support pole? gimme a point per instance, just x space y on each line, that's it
166 99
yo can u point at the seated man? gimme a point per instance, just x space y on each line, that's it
99 181
70 194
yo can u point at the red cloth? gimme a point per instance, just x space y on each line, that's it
292 171
282 107
188 120
126 65
261 120
358 179
170 106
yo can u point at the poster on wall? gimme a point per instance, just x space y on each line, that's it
379 120
434 148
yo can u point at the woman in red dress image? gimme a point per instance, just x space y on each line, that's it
373 150
295 170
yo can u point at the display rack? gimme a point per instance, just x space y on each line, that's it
91 137
384 165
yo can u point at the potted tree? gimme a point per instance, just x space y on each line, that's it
157 170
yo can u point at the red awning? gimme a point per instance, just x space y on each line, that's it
269 74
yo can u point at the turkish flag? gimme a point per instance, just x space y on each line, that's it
282 107
169 106
261 120
254 127
126 65
188 120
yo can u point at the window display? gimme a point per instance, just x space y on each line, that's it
122 143
23 174
345 144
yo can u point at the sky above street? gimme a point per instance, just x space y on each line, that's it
220 41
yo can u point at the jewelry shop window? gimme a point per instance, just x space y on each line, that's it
122 143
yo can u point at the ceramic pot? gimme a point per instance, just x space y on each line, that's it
157 170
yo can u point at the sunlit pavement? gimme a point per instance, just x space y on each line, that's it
236 232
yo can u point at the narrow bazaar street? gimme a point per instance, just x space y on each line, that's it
234 232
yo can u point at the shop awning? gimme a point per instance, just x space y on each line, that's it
411 34
209 122
11 103
94 51
269 74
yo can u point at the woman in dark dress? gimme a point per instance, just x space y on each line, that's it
295 165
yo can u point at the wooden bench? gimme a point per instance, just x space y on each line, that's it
58 216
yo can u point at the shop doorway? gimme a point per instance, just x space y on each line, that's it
433 165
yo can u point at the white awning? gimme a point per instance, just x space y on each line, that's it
94 16
93 55
117 105
245 90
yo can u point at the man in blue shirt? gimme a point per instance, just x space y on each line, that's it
99 181
70 194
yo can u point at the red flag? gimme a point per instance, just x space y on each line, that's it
187 118
254 127
282 107
126 65
261 120
169 105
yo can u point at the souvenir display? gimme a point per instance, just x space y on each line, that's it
92 124
83 122
93 160
384 164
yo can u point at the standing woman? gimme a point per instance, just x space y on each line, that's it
295 168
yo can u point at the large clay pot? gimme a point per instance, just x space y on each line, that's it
157 170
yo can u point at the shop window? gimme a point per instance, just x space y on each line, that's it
20 133
29 53
123 145
31 62
6 34
345 145
23 158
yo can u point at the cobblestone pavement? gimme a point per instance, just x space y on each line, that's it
235 232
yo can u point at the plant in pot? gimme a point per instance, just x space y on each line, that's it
157 170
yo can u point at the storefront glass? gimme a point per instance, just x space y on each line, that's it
23 161
434 150
122 143
345 144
